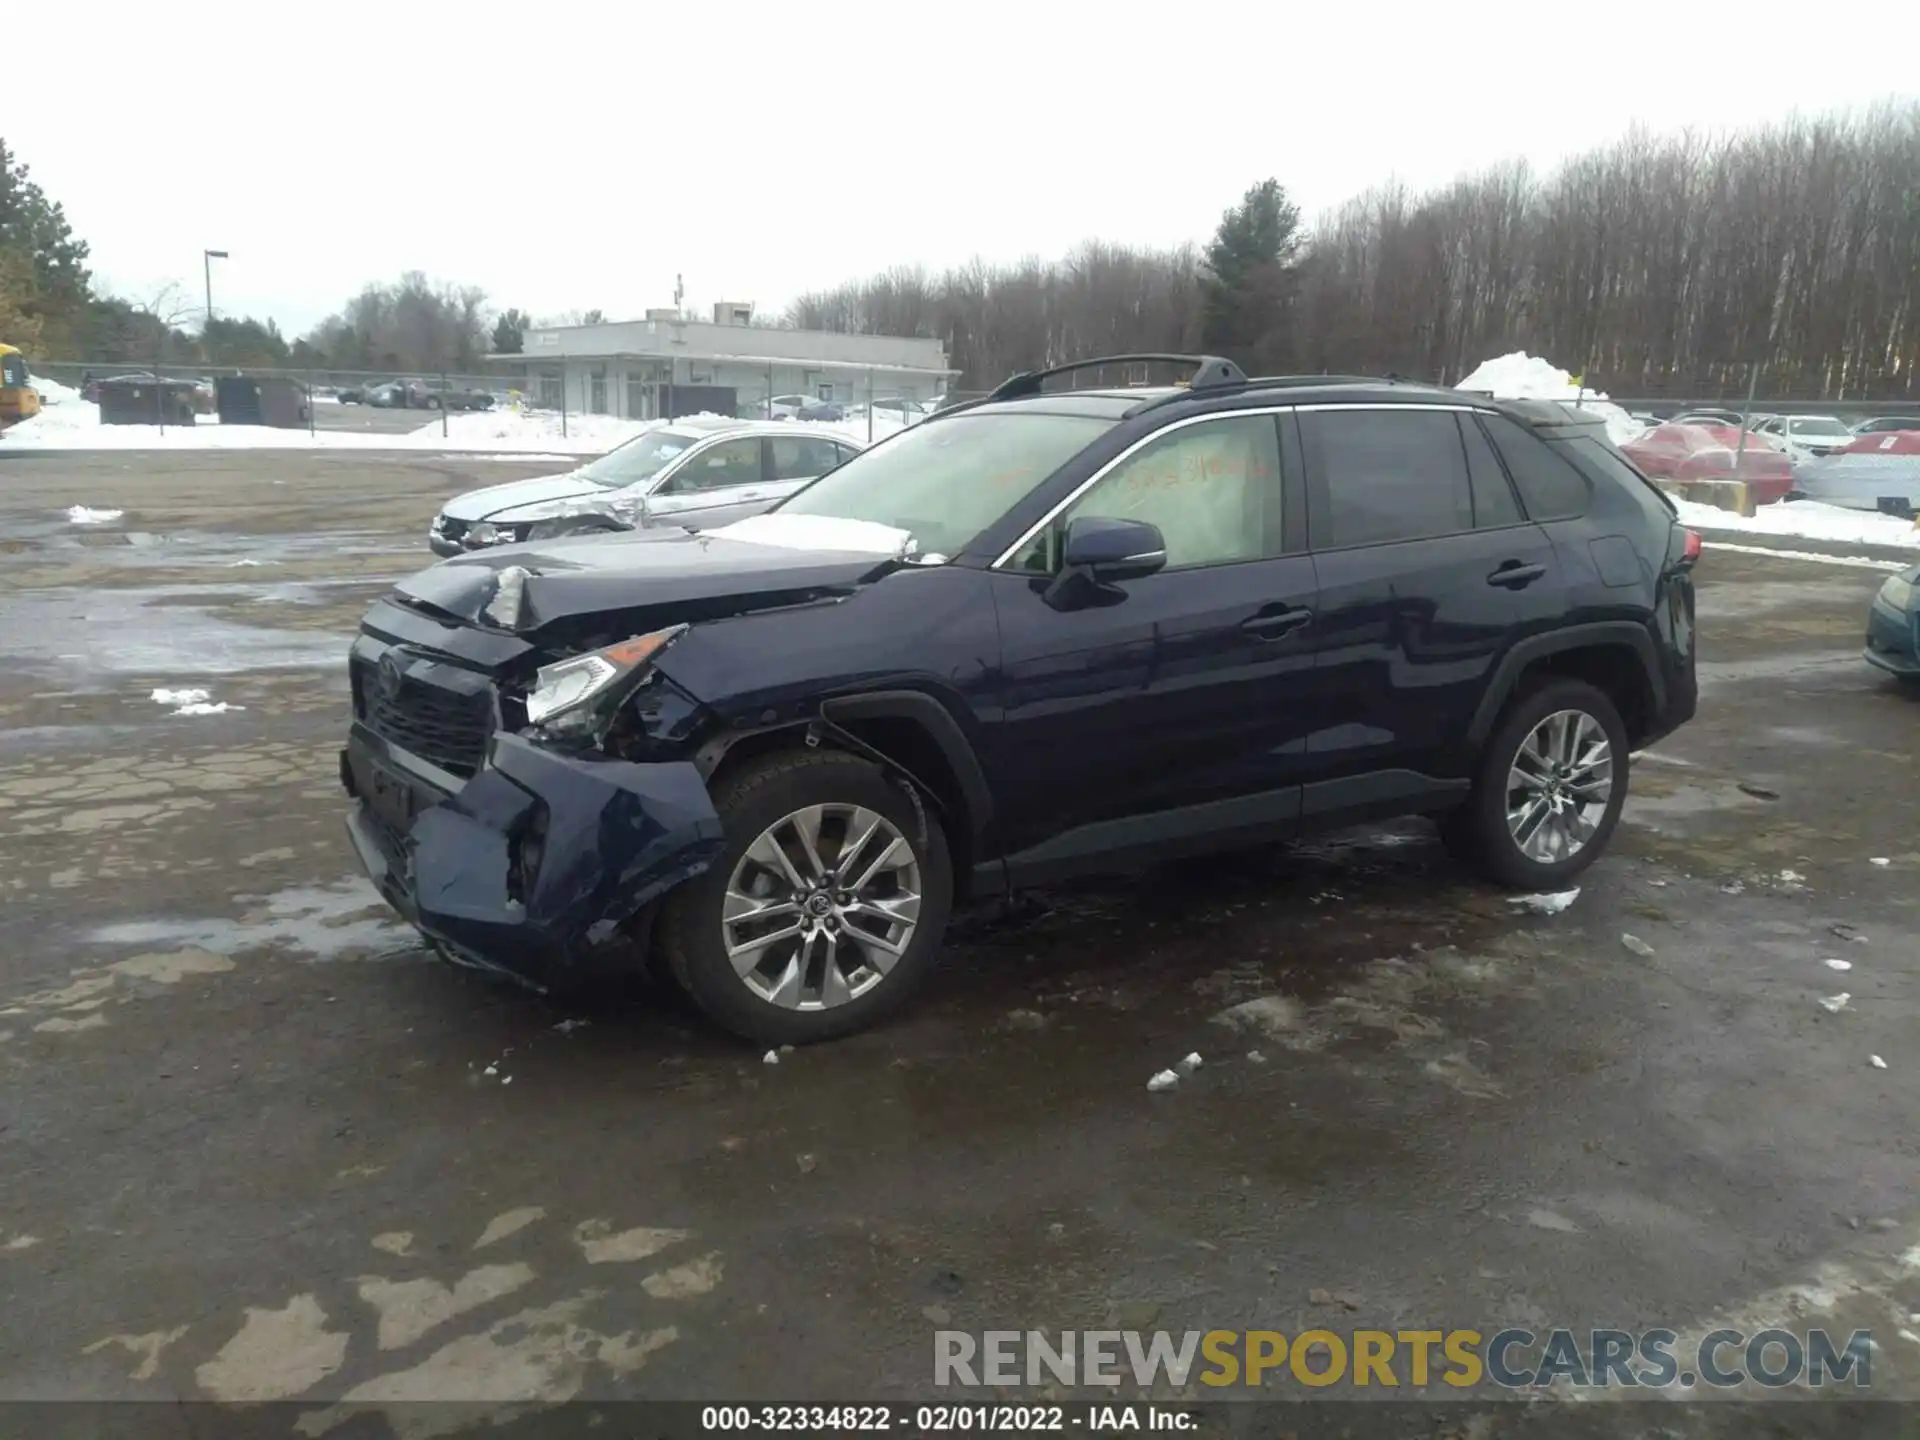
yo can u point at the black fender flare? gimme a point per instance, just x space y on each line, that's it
1522 653
934 718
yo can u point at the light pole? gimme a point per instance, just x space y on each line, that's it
207 257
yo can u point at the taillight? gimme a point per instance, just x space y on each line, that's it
1691 552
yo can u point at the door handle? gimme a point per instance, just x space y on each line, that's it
1272 624
1515 575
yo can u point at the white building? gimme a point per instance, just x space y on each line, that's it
667 364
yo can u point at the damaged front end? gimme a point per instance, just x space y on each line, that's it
525 777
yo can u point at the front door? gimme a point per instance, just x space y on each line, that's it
713 486
1172 713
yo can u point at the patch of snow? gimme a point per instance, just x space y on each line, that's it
1880 860
1806 520
1163 1080
82 515
1546 904
1876 1062
1838 964
1834 1004
1190 1064
220 709
181 697
1637 946
818 532
1854 562
772 1057
1520 376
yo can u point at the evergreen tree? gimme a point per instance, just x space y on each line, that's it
35 232
510 332
1251 279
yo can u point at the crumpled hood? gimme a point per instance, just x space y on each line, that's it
485 503
672 574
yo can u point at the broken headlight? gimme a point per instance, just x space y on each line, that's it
575 693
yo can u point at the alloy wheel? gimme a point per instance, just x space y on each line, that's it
821 906
1558 787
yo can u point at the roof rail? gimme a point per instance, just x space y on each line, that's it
1209 372
1276 382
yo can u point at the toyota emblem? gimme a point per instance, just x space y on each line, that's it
391 676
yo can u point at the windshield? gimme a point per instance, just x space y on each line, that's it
946 481
1817 425
13 370
639 459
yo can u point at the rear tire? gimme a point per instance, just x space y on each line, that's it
1547 791
847 969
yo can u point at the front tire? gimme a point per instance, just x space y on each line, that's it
825 909
1548 790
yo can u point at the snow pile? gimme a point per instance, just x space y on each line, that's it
1807 520
1520 376
52 392
82 515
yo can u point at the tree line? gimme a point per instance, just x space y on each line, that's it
1677 264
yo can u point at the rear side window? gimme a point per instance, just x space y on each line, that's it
1493 502
1380 476
1550 487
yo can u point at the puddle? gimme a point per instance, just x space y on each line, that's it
100 632
344 921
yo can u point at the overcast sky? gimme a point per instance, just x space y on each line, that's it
582 154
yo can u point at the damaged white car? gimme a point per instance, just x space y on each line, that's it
694 473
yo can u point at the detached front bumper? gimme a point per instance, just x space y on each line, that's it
534 865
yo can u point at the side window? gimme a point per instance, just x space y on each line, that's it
843 453
801 458
730 463
1549 486
1213 489
1493 502
1381 476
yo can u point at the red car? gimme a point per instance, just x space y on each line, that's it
1707 452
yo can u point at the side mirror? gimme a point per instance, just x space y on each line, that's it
1113 550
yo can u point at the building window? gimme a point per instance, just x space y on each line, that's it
552 391
597 390
639 392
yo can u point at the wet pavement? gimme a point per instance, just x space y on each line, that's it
256 1145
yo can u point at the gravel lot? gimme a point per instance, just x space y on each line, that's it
256 1145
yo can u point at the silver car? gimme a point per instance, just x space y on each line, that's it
698 473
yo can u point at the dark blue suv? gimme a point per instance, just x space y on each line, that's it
1050 633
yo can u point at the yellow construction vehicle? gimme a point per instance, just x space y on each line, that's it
18 399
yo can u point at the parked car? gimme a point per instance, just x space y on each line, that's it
1806 436
1886 424
1709 417
1680 450
1893 627
1050 634
695 473
1874 472
355 394
452 397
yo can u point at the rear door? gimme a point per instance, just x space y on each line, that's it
1428 571
1168 713
714 485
